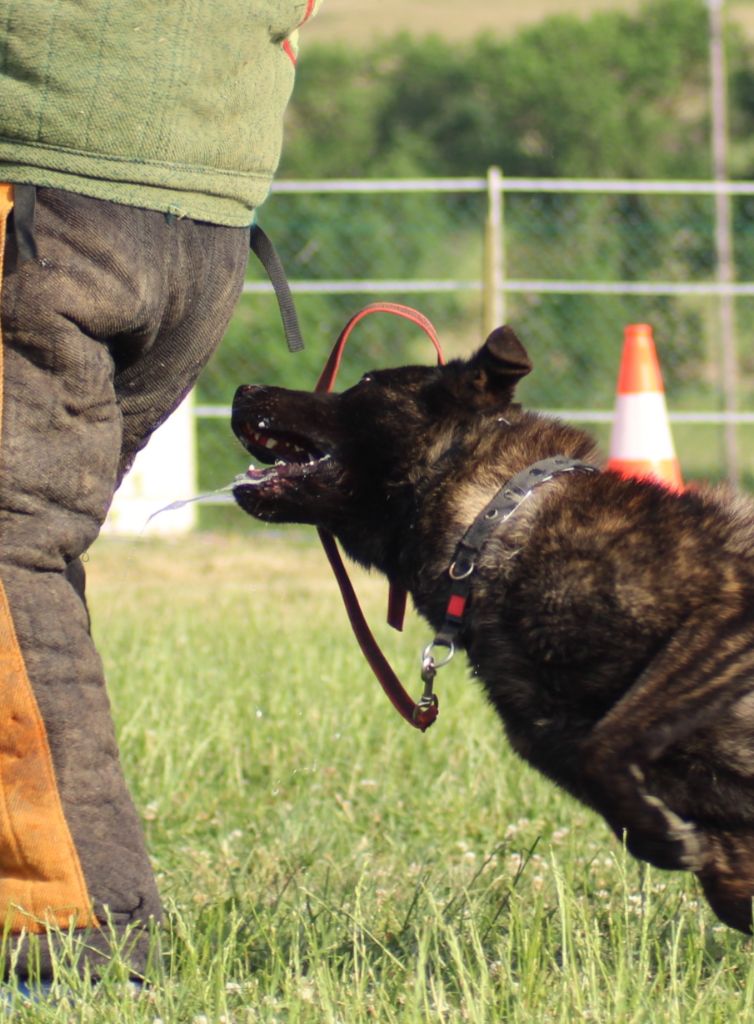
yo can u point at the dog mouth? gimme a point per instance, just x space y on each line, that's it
286 456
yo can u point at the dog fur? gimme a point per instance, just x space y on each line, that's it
611 622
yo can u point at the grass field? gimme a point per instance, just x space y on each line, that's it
363 21
322 863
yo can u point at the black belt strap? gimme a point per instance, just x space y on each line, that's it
268 257
22 245
24 208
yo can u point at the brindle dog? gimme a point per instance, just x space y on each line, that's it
611 622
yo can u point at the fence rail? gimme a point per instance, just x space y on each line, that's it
540 287
495 186
600 186
222 412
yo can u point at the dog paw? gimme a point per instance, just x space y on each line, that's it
661 836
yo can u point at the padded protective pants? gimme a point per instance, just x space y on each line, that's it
103 333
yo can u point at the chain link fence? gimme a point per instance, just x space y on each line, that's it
567 263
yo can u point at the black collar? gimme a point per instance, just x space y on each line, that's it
504 504
461 571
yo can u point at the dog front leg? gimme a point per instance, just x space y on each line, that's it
705 668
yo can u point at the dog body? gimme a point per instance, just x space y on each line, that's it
611 622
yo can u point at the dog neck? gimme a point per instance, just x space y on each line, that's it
505 504
456 569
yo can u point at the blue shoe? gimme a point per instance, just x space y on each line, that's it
42 990
38 990
20 990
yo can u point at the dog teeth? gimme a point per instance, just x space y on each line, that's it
285 450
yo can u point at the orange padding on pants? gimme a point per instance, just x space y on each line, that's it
41 881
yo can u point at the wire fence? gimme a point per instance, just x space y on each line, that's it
568 262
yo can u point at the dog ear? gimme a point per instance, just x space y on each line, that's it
504 357
499 364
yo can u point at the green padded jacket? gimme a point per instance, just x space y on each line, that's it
171 105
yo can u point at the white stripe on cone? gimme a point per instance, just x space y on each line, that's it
641 429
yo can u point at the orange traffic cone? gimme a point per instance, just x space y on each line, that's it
641 444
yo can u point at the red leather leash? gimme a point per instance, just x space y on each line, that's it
422 714
329 373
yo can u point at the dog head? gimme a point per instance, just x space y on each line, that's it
363 453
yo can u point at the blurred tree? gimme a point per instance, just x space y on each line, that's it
614 96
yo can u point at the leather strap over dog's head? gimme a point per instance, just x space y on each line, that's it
422 714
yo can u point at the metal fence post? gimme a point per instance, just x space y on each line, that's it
494 253
724 236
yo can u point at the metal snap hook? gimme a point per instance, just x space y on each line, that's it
429 665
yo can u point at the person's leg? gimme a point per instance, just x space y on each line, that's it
204 278
101 297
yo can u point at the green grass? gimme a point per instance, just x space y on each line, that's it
322 862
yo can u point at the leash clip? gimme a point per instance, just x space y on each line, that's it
427 706
429 665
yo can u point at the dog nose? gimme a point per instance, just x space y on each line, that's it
246 390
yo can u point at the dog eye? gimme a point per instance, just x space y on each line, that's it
366 379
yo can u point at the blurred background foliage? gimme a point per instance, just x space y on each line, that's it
617 95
